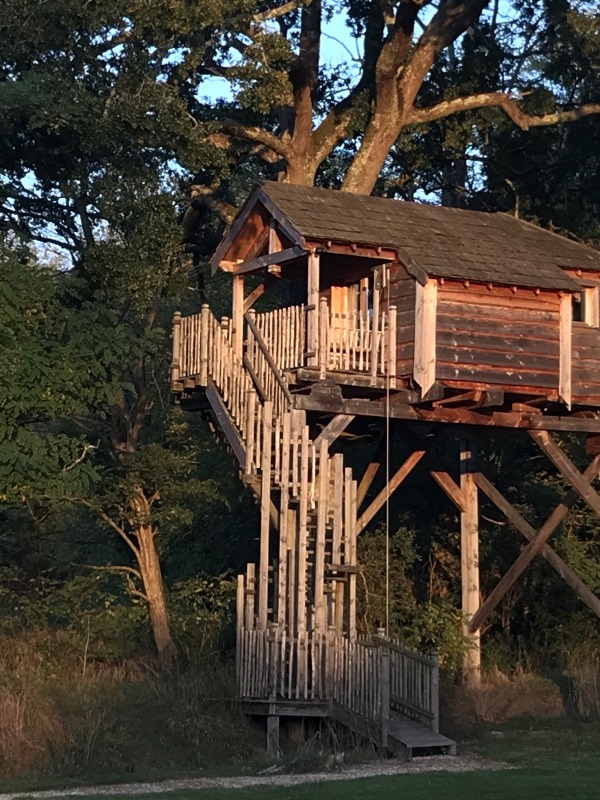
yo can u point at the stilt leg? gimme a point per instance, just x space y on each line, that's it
469 562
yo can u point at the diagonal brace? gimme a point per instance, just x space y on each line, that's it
537 544
566 573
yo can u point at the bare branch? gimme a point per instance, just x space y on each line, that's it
248 132
86 449
507 104
280 11
110 522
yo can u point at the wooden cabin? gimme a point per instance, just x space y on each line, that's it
382 309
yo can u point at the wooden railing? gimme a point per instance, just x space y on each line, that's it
357 342
363 680
284 333
264 370
414 684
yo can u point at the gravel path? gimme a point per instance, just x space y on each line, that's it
464 763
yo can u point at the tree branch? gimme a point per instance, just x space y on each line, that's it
507 104
280 11
110 522
248 132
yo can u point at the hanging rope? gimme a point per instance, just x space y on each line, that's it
386 287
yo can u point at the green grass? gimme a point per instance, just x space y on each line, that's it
548 761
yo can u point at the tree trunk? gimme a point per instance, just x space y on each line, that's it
152 579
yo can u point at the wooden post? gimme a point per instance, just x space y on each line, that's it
312 318
565 352
273 736
175 358
425 334
384 688
204 329
375 322
265 522
323 337
391 342
237 314
435 694
320 622
469 562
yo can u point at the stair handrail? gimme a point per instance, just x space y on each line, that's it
262 346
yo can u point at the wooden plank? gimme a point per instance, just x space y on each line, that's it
469 563
250 609
226 423
425 334
529 532
448 485
405 470
333 429
256 264
284 522
265 527
302 531
312 320
566 327
320 622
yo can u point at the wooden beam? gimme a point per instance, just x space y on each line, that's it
237 314
534 547
457 416
257 292
425 334
448 486
265 497
528 531
226 423
255 264
564 465
566 349
312 313
366 481
405 470
254 483
469 562
334 427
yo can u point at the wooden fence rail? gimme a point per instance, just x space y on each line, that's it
367 678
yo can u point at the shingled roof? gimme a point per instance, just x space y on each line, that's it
444 242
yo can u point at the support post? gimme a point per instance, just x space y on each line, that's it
312 314
273 736
265 521
237 314
175 365
384 684
469 562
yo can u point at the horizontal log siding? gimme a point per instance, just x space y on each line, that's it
402 295
498 337
585 365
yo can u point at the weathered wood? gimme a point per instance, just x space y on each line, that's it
447 484
263 575
176 348
366 481
377 504
425 335
312 299
320 622
537 544
237 314
226 423
520 524
256 264
469 562
565 466
333 429
566 326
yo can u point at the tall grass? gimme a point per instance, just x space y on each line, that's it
62 714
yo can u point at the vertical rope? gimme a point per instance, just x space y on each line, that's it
387 463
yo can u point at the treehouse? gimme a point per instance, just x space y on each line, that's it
381 310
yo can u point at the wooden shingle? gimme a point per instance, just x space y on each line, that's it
444 242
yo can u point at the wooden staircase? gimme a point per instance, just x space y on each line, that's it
297 647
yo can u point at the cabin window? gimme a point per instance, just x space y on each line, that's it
586 306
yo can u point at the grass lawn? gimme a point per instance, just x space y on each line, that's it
549 761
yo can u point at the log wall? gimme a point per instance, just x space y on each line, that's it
585 364
507 338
